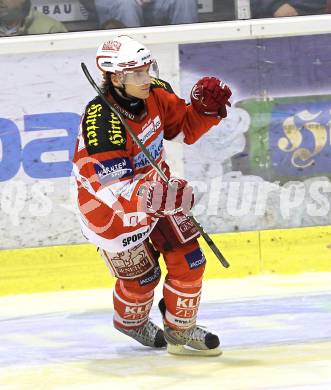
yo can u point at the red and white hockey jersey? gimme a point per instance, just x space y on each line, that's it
110 168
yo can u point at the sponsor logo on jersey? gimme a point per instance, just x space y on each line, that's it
123 111
155 149
102 130
136 312
195 259
115 132
132 263
150 277
157 83
188 303
92 114
150 129
134 237
114 169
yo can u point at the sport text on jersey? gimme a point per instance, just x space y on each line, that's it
134 237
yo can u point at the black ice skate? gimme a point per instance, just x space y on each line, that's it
193 341
149 335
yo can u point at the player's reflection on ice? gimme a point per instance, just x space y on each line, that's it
249 323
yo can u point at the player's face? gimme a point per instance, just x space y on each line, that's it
140 92
137 83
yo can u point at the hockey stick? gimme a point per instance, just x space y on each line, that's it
206 237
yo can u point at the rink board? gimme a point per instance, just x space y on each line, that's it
251 151
75 267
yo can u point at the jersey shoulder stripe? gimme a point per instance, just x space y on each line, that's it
158 83
102 129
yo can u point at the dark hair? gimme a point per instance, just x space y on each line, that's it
107 84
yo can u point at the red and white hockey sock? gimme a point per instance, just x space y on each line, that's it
131 310
182 303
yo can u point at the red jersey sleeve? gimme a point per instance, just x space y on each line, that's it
178 116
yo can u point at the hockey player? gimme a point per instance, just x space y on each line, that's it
132 215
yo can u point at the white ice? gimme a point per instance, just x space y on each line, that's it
275 333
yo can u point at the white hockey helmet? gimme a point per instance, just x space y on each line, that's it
123 55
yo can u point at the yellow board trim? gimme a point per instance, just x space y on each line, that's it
73 267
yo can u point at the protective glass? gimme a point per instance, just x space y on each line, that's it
140 76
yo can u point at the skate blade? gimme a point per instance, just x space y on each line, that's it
184 350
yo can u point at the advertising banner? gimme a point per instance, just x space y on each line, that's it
268 164
42 98
265 166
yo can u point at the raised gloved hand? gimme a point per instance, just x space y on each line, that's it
161 199
210 96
